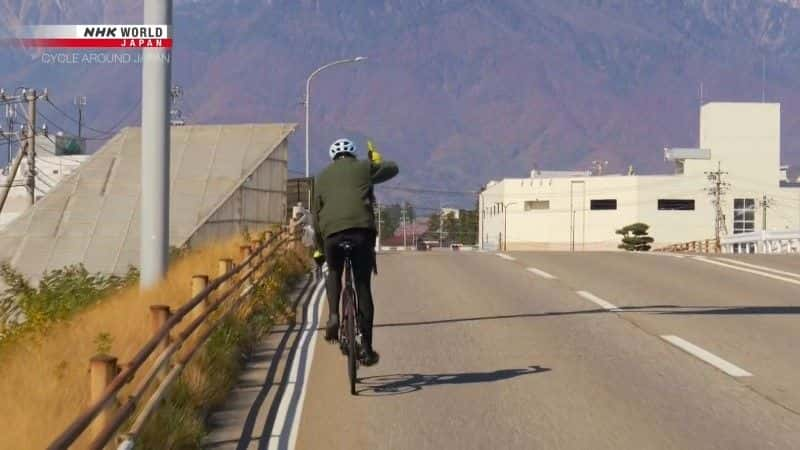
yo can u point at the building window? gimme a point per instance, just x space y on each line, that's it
744 215
603 204
675 205
537 205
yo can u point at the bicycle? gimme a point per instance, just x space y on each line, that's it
349 331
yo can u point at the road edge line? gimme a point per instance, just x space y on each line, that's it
744 269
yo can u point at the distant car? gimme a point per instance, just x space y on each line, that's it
422 246
455 247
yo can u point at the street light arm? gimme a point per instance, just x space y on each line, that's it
308 101
334 63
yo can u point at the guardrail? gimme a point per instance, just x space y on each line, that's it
101 418
762 242
701 246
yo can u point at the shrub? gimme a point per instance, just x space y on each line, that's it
60 294
635 238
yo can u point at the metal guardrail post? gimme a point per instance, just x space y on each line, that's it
102 369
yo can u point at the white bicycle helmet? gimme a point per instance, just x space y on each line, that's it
342 146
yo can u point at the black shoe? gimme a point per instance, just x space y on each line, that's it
332 329
369 357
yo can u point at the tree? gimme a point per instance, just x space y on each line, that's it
390 220
635 238
468 226
461 230
434 223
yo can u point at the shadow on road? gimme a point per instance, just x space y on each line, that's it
406 383
652 309
736 310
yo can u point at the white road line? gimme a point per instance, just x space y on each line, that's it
764 268
597 300
286 399
299 413
744 269
671 255
506 257
541 273
710 358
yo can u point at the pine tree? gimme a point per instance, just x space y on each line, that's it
635 238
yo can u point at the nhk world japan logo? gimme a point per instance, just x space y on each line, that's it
124 37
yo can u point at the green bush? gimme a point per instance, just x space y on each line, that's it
60 294
635 238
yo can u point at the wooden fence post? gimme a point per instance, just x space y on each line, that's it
244 253
159 315
224 266
102 369
199 282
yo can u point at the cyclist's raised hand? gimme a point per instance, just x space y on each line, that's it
374 156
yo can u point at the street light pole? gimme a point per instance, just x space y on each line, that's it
154 222
308 98
505 224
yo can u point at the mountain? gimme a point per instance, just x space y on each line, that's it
457 91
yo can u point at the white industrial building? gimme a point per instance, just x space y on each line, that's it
224 179
52 165
581 211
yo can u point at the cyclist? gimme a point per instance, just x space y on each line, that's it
343 211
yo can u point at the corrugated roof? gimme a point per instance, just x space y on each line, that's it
92 217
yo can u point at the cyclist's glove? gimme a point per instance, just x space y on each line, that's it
319 257
374 156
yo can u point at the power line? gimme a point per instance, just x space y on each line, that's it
102 134
427 191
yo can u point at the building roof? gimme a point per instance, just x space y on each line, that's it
92 216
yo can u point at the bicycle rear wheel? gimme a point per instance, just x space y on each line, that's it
350 334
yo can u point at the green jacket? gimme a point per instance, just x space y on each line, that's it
343 195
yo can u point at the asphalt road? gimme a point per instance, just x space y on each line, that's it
580 352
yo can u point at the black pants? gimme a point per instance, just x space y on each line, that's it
363 257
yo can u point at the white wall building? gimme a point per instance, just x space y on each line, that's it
50 170
575 210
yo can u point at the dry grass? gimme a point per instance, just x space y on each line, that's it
43 378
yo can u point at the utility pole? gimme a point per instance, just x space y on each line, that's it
716 191
156 75
403 215
80 102
175 113
28 139
9 102
30 143
414 232
441 225
11 114
765 204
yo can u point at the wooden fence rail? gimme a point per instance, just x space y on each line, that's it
703 246
234 280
